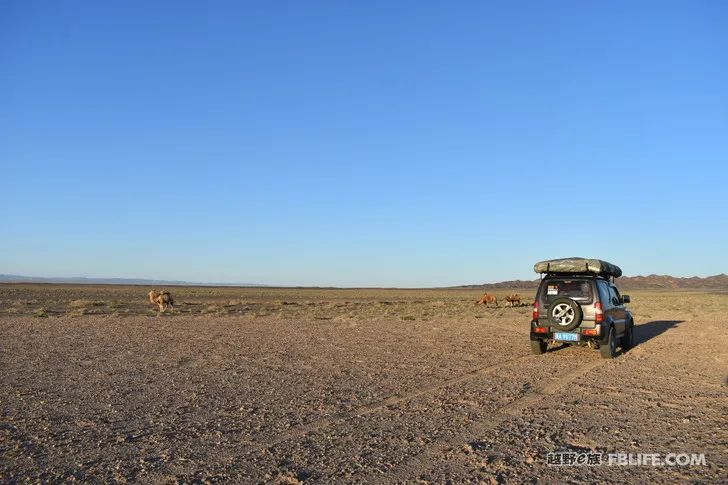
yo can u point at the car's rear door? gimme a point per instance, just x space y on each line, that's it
618 312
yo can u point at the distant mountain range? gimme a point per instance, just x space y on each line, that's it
81 280
651 282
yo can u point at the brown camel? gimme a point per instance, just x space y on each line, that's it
162 299
513 299
487 299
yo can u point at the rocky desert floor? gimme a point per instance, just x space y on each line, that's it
252 385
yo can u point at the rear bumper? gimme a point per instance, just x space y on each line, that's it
600 337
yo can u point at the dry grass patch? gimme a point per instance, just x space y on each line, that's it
40 313
86 303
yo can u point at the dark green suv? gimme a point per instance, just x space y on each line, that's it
577 303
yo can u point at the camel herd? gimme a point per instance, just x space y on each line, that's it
487 299
164 300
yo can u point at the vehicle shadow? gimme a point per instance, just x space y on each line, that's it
643 333
650 330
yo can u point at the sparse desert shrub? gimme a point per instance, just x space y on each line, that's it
78 312
409 317
80 303
40 313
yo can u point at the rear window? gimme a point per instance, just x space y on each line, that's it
579 290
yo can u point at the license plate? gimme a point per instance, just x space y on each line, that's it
566 337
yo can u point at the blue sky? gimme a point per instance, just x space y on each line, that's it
361 143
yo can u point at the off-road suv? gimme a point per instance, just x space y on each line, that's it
577 303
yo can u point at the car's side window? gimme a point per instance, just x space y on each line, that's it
603 293
614 296
619 297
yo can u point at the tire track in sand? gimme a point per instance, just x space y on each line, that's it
376 406
418 464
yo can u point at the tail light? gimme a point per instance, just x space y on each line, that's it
540 330
534 316
598 312
591 331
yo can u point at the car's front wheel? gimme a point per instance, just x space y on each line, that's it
628 338
538 347
609 349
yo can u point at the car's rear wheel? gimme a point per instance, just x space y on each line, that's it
538 347
609 349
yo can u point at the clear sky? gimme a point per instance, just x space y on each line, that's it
346 143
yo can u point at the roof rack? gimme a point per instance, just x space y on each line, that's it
576 274
557 274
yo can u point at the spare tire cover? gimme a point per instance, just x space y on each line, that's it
565 313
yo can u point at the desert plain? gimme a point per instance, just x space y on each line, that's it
277 385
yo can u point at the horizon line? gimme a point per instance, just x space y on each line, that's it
6 278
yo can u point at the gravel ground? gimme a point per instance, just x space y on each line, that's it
349 386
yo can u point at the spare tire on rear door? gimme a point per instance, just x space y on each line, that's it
565 313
